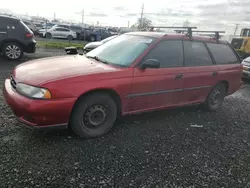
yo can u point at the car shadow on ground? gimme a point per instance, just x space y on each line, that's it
126 120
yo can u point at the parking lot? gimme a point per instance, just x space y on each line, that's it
184 147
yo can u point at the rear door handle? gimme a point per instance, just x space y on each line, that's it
214 73
178 76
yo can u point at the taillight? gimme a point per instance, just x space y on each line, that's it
29 35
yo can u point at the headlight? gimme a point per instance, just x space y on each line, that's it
33 92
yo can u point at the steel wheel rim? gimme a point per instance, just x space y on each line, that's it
95 116
216 97
13 51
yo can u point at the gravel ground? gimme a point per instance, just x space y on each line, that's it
159 149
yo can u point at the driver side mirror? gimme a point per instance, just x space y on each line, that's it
150 63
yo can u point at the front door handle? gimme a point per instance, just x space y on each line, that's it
214 73
178 76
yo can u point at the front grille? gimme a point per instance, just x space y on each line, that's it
12 82
237 43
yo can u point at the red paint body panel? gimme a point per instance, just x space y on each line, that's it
201 80
139 90
156 80
38 112
232 74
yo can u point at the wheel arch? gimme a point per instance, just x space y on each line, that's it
11 41
111 92
226 83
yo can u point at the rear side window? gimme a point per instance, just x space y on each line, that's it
25 27
196 54
222 53
169 53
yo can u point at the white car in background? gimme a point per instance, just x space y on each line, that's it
246 68
59 32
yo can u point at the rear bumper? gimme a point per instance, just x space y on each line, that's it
30 47
38 114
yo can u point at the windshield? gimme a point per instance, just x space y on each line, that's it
122 50
108 39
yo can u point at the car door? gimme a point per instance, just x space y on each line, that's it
56 33
155 88
65 33
3 29
201 72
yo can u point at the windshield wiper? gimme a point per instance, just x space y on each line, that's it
98 59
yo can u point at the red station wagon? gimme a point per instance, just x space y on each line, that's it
135 72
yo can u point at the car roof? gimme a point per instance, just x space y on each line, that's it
9 17
158 35
147 34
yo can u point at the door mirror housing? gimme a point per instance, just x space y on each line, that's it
150 63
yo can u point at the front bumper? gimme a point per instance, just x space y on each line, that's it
40 114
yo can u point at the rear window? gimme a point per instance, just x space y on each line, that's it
26 27
222 53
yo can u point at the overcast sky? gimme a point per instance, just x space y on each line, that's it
207 14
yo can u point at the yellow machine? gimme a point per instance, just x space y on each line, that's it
242 44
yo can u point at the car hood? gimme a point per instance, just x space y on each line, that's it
93 45
37 72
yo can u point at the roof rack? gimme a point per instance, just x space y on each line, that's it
216 33
189 29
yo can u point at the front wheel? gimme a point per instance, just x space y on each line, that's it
94 115
12 51
48 35
215 97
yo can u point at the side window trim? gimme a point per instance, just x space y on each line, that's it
157 43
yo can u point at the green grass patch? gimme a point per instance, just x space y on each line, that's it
59 45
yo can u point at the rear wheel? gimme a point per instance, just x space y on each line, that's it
12 51
48 35
94 115
215 97
70 37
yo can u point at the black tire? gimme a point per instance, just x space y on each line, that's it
82 119
215 97
12 51
70 37
48 36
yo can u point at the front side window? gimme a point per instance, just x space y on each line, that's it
222 53
196 54
122 50
169 53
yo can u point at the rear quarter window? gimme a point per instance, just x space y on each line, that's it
223 54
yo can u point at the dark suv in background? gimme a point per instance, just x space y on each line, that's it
15 38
